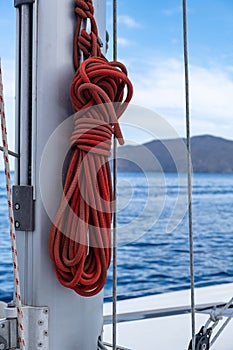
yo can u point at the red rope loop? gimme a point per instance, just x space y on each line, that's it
92 136
80 238
83 42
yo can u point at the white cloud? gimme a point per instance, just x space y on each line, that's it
128 21
172 11
123 42
160 85
161 88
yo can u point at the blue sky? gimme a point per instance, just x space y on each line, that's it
150 44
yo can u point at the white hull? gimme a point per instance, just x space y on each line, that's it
168 332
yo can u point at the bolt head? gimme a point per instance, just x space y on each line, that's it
17 206
17 224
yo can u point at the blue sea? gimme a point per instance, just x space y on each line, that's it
153 239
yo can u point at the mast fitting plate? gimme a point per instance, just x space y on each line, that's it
23 206
8 334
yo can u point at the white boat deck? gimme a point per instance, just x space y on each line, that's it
168 332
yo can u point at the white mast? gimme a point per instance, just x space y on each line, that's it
45 32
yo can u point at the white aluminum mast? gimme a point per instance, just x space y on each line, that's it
44 71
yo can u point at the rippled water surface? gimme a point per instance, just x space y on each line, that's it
158 260
153 252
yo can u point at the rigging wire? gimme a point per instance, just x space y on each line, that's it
189 169
229 318
114 239
216 317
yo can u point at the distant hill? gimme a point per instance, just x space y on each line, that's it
209 154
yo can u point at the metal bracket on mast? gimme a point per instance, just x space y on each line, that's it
36 322
23 205
23 2
8 334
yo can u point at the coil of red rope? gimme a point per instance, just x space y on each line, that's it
80 237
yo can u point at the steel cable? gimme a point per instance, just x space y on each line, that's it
189 170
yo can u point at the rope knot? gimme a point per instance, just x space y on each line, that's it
88 44
84 9
215 317
91 135
83 42
105 84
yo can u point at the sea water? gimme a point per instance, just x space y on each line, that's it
153 234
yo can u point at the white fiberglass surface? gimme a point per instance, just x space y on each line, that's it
173 332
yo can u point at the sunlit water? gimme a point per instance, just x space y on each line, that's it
153 252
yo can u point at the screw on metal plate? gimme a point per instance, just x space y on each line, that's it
17 206
17 224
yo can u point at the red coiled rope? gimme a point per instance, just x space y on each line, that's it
80 237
